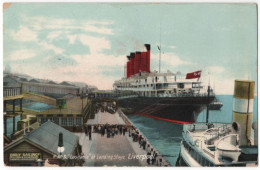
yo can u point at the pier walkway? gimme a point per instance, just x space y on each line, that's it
105 117
119 150
113 151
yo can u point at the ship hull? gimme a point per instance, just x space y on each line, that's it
173 109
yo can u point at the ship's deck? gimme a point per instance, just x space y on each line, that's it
205 139
217 144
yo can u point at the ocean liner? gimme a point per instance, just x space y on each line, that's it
166 96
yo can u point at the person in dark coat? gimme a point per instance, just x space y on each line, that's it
141 143
89 135
148 157
144 144
108 133
130 132
140 139
103 131
86 131
113 132
120 130
124 131
154 157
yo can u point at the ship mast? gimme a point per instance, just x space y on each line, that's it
160 50
207 117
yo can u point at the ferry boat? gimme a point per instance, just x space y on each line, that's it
215 105
166 96
223 144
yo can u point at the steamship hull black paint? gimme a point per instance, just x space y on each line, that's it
178 109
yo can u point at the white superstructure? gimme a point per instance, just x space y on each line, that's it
161 85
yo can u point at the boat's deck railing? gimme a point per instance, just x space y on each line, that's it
205 132
135 94
201 135
212 155
204 126
181 95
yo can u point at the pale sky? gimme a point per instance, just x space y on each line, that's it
89 42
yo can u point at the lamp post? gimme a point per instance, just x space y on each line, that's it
60 146
39 161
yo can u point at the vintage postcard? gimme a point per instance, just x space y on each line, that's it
130 84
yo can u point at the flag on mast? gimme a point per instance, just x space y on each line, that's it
193 75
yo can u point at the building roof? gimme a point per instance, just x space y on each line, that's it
51 82
66 83
47 136
23 79
34 80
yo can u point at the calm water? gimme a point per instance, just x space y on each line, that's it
166 136
38 107
10 125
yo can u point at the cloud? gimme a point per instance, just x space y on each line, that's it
52 35
222 85
24 34
96 44
215 69
91 66
172 46
93 22
92 28
21 55
71 38
77 58
171 59
47 46
43 23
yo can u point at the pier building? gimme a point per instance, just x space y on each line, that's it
42 144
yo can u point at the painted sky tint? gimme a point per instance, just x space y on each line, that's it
88 42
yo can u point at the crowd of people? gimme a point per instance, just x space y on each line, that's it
105 129
109 131
151 153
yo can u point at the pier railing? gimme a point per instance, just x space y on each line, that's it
163 161
12 91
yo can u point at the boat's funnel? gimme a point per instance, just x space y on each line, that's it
243 109
148 47
148 56
132 55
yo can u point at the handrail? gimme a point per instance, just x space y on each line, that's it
210 154
12 91
204 126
